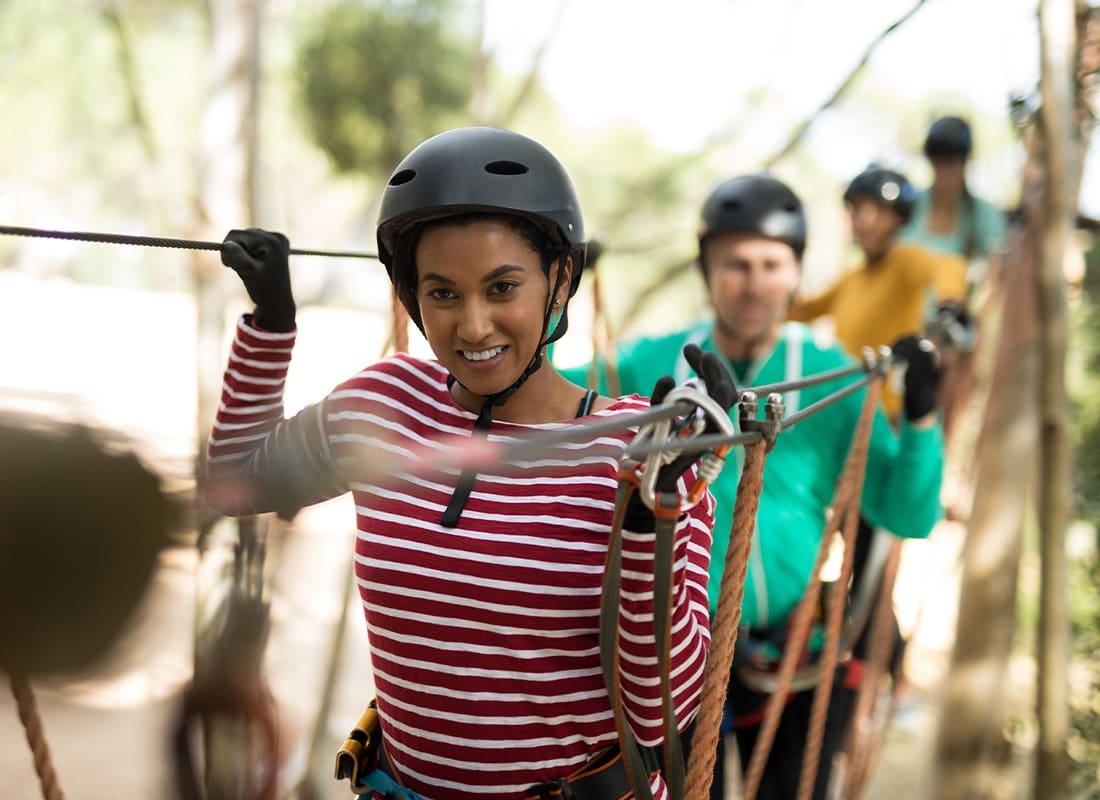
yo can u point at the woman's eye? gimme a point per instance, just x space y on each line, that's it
502 287
441 294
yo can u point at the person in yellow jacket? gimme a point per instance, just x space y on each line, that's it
893 291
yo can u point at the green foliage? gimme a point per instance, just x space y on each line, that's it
1084 744
375 80
74 155
1085 387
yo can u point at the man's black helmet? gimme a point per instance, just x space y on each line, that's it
884 186
755 204
481 170
948 136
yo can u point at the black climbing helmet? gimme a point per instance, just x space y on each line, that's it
471 170
884 186
949 136
755 204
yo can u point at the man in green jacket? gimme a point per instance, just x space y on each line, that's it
750 248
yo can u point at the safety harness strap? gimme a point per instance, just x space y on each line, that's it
609 643
666 512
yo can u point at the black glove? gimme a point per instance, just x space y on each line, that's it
954 310
260 259
719 385
922 374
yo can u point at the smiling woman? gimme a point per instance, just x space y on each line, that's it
481 282
481 593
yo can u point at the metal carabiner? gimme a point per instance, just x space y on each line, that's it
694 424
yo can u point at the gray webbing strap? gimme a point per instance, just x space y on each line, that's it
636 771
667 513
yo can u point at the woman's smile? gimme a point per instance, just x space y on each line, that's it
484 359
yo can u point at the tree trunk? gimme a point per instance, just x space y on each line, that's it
1058 36
226 170
972 756
226 198
1027 399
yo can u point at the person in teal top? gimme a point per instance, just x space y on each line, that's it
947 216
751 245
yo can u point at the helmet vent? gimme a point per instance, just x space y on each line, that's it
731 205
404 176
506 168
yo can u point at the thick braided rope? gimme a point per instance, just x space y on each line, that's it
704 743
857 461
800 627
861 747
36 738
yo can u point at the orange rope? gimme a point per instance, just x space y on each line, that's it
860 750
857 462
602 349
704 743
844 496
36 738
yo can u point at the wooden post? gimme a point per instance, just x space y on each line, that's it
973 759
1058 37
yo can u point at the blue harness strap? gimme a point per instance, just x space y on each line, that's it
380 786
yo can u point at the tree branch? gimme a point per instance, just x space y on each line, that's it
637 303
530 80
801 131
674 270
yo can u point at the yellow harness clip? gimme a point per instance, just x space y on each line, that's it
356 755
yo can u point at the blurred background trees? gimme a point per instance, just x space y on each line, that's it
177 118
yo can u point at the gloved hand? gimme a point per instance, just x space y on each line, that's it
719 384
955 310
922 374
951 327
260 259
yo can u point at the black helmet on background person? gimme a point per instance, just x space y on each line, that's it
949 136
884 186
479 170
754 204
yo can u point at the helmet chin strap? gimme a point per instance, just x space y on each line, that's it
485 416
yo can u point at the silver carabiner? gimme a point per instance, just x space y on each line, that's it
704 407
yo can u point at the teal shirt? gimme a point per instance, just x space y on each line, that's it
979 226
901 489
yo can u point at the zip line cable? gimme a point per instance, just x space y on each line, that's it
157 241
704 442
808 380
534 446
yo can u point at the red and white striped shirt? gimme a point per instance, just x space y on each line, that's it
483 637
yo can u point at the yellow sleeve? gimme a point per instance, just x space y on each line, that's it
945 273
802 310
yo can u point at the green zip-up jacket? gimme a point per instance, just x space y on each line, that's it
901 490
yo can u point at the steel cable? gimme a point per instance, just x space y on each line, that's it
156 241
